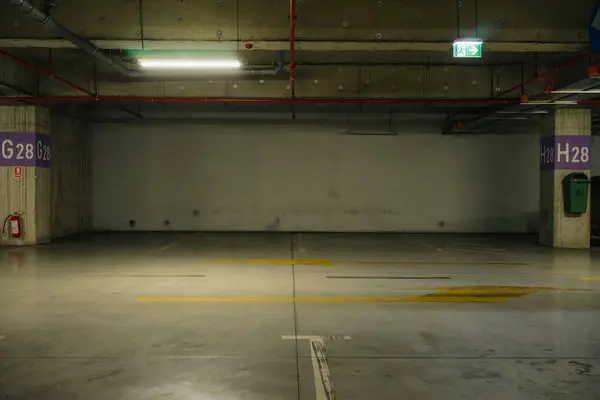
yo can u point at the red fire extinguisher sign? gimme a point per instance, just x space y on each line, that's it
15 226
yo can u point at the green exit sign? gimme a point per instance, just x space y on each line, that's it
462 48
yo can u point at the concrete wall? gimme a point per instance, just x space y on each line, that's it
595 156
28 196
71 183
53 202
310 178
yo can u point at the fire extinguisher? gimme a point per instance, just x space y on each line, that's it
15 226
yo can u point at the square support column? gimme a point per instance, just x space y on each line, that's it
24 173
565 149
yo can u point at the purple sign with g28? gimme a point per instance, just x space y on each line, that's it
566 152
25 149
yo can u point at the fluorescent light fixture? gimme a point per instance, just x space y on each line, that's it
549 103
468 42
523 112
189 64
576 91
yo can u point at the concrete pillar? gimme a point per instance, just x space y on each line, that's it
565 148
24 172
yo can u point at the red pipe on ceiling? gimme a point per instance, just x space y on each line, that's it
537 77
109 99
42 71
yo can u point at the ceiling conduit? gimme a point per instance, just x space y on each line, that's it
50 23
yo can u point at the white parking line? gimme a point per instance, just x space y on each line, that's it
313 337
318 353
323 384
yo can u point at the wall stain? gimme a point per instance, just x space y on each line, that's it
582 368
273 226
107 375
430 338
535 363
480 373
490 353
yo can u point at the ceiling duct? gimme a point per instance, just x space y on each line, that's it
50 23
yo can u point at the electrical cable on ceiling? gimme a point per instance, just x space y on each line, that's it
130 61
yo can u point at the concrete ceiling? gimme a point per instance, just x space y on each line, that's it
336 21
386 49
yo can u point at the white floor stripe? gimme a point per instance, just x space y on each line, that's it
318 354
323 384
314 337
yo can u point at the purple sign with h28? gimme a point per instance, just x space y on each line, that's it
25 149
566 152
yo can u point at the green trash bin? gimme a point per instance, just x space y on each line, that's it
575 190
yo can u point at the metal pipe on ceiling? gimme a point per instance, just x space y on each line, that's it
53 76
49 22
545 74
134 99
49 74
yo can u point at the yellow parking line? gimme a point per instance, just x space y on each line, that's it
433 263
274 262
453 294
326 262
588 279
420 299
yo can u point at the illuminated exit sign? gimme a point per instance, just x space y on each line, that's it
467 48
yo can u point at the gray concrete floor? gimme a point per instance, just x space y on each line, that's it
202 315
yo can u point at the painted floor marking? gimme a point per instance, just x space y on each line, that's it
311 337
452 294
327 262
505 263
275 262
324 388
323 384
388 277
146 275
588 279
